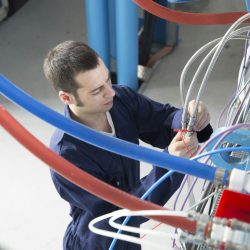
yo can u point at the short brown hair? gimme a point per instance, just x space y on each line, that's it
65 61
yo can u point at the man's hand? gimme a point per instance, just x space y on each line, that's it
184 147
202 115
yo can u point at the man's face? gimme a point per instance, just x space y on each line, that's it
95 93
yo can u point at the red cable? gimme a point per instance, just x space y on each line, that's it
85 180
187 17
153 228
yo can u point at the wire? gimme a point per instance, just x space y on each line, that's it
234 35
201 201
193 58
107 233
144 196
221 150
136 213
144 213
212 63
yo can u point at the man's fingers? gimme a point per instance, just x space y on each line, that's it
178 137
202 122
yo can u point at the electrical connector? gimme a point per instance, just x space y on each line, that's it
228 235
239 181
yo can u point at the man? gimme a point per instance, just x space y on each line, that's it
84 86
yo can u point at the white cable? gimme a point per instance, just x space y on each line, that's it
212 62
145 213
201 201
201 50
241 115
194 80
189 63
107 233
230 108
126 212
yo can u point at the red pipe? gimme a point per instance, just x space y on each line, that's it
83 179
187 17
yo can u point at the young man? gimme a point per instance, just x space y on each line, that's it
84 86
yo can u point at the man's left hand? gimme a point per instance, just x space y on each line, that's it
202 115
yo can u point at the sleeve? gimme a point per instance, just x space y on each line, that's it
155 121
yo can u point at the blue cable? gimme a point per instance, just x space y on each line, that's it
168 174
144 196
100 140
247 5
221 150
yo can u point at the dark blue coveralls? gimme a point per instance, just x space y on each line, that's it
134 116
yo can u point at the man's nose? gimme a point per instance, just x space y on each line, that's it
109 91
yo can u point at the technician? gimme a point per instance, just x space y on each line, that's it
84 86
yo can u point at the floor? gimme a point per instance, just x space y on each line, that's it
32 216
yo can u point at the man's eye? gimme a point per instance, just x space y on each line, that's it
96 92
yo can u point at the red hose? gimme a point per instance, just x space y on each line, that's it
83 179
187 17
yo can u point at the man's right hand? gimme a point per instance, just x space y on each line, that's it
184 146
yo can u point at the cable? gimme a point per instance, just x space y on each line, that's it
144 213
221 150
111 144
201 201
107 233
82 178
211 65
234 35
201 65
144 196
136 213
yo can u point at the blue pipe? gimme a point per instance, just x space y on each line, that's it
112 30
126 43
98 28
111 144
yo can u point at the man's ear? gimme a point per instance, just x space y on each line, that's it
66 97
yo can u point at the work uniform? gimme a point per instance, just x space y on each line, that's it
134 117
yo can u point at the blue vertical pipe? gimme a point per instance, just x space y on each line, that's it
98 28
126 43
112 31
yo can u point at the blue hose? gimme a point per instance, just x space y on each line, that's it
111 144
